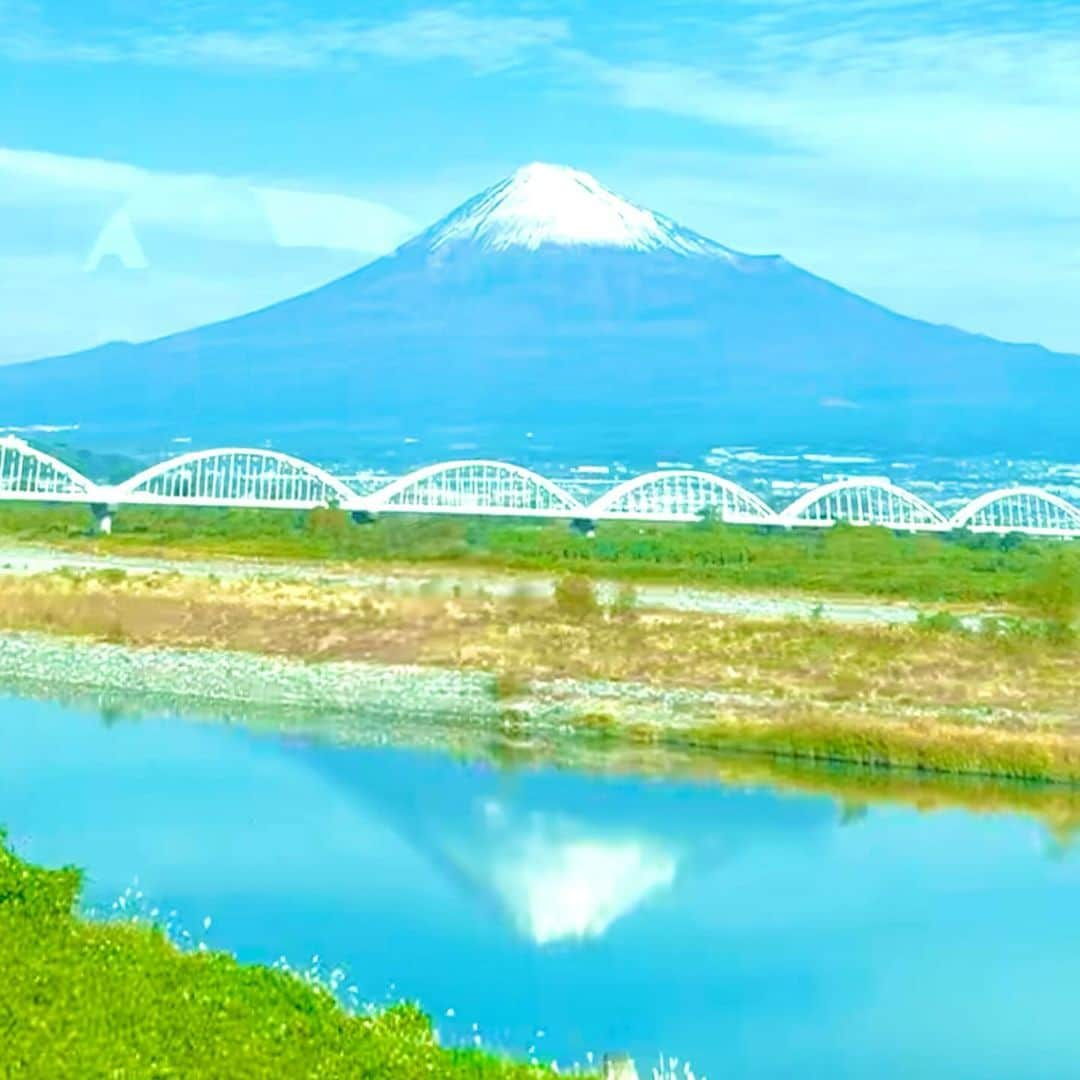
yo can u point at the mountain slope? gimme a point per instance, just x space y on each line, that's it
546 303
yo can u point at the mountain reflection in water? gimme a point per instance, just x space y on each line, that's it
755 919
563 861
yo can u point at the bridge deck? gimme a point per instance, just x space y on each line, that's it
267 479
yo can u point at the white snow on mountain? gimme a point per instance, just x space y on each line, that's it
575 890
544 204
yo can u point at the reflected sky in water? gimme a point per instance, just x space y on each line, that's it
752 932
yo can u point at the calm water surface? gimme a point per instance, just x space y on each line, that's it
758 934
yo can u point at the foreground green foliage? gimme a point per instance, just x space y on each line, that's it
1041 576
81 999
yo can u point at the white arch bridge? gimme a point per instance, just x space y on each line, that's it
268 479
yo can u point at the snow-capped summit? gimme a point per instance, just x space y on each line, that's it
547 303
543 204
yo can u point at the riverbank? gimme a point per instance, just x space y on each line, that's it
929 696
503 742
84 999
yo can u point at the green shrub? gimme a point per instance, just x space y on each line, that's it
81 999
941 622
329 523
1040 576
575 596
510 684
1054 594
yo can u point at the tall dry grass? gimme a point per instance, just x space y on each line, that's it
1009 678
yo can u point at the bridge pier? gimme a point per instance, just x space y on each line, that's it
584 527
103 518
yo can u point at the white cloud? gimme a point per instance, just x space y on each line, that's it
337 222
483 42
128 253
932 163
487 42
29 172
905 119
212 206
893 89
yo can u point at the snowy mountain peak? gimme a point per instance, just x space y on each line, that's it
543 204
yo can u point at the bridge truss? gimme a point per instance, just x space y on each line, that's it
476 487
29 474
267 479
681 495
864 501
263 479
1021 509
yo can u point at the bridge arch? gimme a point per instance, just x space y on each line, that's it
868 500
29 473
1020 509
681 495
463 487
237 476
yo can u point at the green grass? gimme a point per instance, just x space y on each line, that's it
960 568
83 999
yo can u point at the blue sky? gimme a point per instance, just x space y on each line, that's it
924 154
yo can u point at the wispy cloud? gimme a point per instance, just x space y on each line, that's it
132 253
483 42
203 203
30 173
951 107
927 157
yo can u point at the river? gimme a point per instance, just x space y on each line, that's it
549 911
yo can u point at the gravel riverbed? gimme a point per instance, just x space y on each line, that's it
447 581
331 693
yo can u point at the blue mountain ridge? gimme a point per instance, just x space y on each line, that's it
666 346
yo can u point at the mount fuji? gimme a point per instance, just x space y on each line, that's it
548 304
